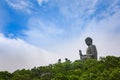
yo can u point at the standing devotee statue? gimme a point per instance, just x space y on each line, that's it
91 51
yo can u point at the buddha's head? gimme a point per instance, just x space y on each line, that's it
88 41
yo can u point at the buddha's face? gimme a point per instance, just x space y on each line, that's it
88 42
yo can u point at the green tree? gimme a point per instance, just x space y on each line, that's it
5 75
21 75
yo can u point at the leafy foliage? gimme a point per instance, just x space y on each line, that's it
107 68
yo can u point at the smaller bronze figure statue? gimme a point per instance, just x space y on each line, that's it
59 60
91 51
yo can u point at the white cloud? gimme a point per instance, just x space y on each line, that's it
23 5
41 1
42 32
76 8
84 9
112 7
17 54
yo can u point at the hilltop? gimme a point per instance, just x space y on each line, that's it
106 68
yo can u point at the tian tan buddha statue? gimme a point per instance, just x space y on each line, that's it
91 51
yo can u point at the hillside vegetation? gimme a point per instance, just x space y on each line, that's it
106 68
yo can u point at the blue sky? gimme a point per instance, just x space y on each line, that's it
56 28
